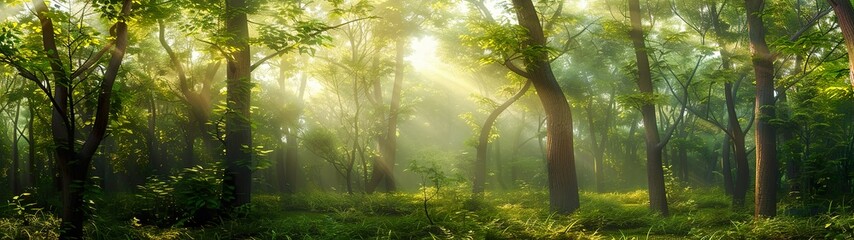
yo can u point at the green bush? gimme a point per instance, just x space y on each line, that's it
191 197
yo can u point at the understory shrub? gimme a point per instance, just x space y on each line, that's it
191 197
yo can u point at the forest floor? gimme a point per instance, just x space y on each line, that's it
522 214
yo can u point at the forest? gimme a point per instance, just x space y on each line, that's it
438 119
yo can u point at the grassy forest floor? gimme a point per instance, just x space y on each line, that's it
522 214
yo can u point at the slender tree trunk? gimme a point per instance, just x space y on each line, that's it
479 182
560 158
237 183
597 150
766 151
655 172
383 167
188 154
742 176
786 135
33 171
14 177
726 168
845 17
153 143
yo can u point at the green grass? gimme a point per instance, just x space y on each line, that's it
696 214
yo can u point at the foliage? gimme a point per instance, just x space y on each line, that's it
191 197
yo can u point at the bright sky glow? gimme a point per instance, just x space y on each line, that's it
581 4
423 53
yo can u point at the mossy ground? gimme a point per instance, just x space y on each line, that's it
695 214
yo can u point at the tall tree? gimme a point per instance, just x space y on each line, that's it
237 183
765 137
560 158
74 160
654 145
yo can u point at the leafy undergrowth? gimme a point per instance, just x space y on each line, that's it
695 214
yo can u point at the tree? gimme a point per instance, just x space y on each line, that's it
74 160
845 17
560 158
479 181
654 144
766 150
237 182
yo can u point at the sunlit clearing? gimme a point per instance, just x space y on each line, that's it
423 54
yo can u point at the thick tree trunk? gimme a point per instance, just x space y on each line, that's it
479 182
560 158
655 172
845 17
237 183
766 151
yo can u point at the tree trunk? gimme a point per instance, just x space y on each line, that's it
154 159
597 150
237 183
479 182
845 17
563 181
33 171
14 177
655 172
766 151
742 176
726 168
383 167
74 165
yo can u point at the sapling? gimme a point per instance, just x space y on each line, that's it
429 174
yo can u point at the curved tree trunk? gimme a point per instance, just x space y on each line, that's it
479 182
560 158
766 151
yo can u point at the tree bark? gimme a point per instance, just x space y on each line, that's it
655 172
766 151
845 17
560 158
237 182
479 182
